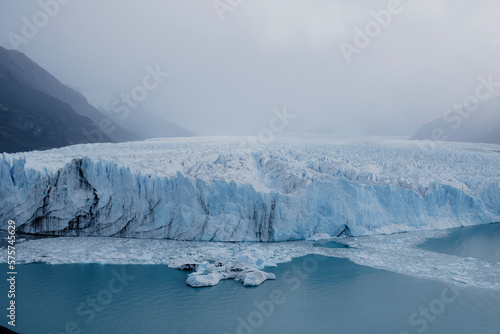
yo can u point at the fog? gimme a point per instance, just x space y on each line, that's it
229 68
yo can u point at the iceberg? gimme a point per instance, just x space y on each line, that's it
234 190
256 277
245 268
206 275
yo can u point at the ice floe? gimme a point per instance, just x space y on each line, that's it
246 262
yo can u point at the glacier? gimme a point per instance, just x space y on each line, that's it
233 189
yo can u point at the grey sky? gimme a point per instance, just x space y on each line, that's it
227 76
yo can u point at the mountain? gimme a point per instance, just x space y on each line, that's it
146 124
17 67
230 189
33 120
38 112
479 126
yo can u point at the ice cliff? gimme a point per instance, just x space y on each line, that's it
234 189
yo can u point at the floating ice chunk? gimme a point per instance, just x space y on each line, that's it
245 268
320 236
203 268
183 264
206 274
199 281
218 260
257 277
253 258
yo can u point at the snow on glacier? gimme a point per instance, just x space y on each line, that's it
232 189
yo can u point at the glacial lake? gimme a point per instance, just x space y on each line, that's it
312 294
481 242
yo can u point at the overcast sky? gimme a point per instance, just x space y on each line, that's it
226 76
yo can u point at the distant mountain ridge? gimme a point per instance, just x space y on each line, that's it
32 120
38 112
479 126
16 66
146 124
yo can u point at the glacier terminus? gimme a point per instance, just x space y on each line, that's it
236 190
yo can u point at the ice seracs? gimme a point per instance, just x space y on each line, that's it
229 189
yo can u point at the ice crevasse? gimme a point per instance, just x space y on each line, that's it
232 189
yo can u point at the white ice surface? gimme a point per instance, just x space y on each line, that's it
232 189
289 165
243 269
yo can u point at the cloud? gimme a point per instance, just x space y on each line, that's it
227 76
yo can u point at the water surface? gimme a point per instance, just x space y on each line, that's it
481 242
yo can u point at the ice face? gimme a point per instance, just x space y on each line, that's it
228 189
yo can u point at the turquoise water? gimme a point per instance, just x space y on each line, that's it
330 244
481 242
311 295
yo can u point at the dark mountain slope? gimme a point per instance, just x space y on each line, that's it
17 67
32 120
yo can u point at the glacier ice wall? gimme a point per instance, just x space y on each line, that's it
239 193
